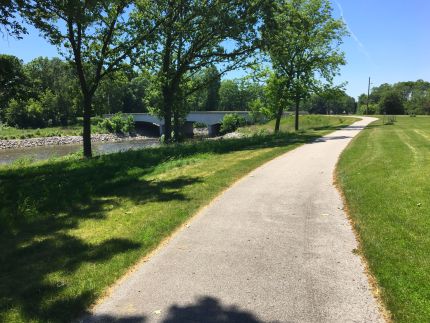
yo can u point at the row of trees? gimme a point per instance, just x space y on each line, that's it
44 92
398 98
176 45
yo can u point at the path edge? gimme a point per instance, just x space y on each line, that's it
371 278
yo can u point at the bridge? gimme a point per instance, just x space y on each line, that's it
212 119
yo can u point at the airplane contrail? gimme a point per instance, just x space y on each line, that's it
354 36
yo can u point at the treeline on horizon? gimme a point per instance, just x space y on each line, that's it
410 97
45 92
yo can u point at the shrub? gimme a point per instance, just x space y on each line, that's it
231 122
119 124
25 114
199 125
259 112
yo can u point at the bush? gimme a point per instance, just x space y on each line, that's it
373 109
119 124
199 125
259 112
23 114
231 122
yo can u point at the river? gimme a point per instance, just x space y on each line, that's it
8 156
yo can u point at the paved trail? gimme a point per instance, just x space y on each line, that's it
275 247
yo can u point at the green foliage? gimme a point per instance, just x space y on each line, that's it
119 124
193 40
371 109
302 39
399 98
330 102
231 122
94 36
8 18
237 95
25 114
391 103
259 111
12 80
213 81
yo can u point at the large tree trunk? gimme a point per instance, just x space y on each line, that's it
86 136
176 127
278 118
296 119
167 112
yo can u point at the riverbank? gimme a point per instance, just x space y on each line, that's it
64 140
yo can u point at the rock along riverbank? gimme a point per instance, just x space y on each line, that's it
63 140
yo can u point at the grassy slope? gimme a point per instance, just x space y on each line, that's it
306 122
385 175
71 227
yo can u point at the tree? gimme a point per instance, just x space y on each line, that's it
331 100
229 95
12 80
57 77
411 97
213 84
302 40
9 22
94 36
391 103
192 37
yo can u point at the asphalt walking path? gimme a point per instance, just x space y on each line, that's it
275 247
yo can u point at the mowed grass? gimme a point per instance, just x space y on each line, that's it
385 175
306 122
72 227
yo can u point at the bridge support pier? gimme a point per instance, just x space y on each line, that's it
213 129
161 126
188 129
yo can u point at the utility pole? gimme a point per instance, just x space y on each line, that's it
368 94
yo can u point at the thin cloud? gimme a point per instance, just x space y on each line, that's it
354 36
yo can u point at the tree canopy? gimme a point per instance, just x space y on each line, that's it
191 37
10 23
302 40
94 36
399 98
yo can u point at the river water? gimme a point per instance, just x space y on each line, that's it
8 156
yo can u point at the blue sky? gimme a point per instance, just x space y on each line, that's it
390 42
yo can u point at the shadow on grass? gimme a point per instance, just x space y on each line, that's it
40 202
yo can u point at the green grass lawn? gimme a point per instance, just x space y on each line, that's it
307 122
385 175
73 130
72 227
